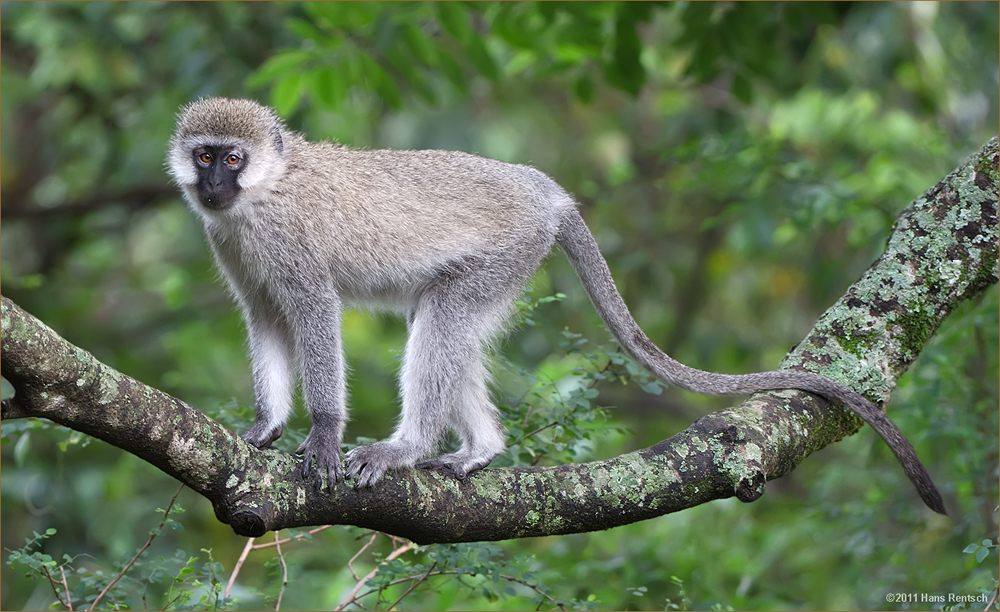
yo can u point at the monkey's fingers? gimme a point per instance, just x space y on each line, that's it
326 453
328 462
459 464
260 437
455 470
367 475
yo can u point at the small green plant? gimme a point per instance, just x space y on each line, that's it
77 588
684 603
989 594
476 567
555 420
980 550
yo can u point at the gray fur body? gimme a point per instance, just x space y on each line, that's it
446 238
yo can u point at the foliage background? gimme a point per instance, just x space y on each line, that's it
740 165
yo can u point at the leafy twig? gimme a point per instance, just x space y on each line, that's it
284 570
350 564
251 546
298 536
590 385
514 579
69 600
350 598
239 565
152 536
993 600
413 586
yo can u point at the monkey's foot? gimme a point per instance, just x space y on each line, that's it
323 447
261 436
368 463
459 464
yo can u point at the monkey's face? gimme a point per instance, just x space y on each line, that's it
218 170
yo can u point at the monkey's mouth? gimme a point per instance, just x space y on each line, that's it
216 201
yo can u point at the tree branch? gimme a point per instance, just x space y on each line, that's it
943 250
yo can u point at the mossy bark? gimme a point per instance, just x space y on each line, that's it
943 250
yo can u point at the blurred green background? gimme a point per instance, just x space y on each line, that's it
739 164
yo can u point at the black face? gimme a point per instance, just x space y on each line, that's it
218 168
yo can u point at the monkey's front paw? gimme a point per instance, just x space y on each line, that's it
368 463
459 464
325 451
261 435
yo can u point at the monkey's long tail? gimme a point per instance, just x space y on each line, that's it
580 248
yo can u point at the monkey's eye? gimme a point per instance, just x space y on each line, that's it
232 159
205 157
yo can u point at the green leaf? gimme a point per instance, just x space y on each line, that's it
380 81
453 20
625 70
304 30
418 43
741 89
481 59
278 66
286 94
453 71
405 67
982 553
511 24
329 86
653 388
583 89
353 17
971 548
22 448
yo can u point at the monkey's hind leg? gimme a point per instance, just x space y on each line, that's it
442 369
477 422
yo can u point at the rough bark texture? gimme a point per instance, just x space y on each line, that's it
943 250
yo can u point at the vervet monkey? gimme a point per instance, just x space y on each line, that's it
302 229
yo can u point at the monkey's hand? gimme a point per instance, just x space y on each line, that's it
322 446
261 435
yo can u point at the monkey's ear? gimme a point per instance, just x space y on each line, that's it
279 146
265 162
